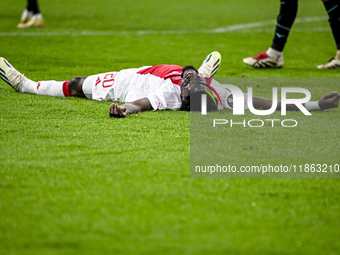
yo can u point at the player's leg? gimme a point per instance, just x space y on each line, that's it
285 21
33 6
75 86
26 14
48 88
31 16
273 57
333 10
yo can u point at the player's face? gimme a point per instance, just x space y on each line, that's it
185 92
187 88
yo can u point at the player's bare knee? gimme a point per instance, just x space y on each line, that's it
75 86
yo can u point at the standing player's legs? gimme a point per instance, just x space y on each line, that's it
31 16
333 10
47 88
285 21
273 57
33 6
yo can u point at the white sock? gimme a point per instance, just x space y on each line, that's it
28 86
274 53
27 14
337 55
51 88
37 16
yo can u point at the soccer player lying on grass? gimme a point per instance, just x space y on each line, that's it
149 88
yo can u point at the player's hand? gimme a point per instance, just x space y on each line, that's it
190 81
117 111
329 101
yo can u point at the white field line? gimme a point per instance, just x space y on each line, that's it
220 30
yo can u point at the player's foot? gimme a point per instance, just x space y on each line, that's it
210 64
264 61
25 16
10 75
34 21
331 64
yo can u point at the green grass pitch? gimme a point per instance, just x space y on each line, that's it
74 181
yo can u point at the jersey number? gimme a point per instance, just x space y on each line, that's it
109 80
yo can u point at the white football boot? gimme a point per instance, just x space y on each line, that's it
262 60
210 64
331 64
36 20
25 16
12 76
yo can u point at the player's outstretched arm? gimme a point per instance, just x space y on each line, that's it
121 111
326 102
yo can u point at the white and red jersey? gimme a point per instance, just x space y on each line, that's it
160 84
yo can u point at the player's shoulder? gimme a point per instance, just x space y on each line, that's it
163 71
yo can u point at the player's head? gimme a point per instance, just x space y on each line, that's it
193 86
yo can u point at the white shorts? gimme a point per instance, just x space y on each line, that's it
100 86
